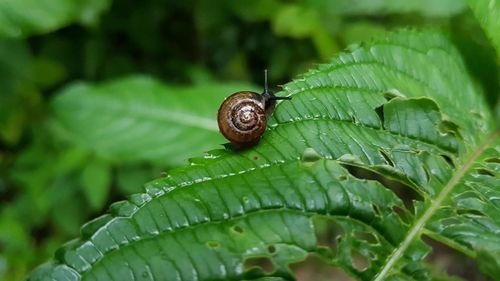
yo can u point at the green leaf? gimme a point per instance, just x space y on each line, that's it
295 21
488 15
138 118
428 8
252 11
402 107
300 22
96 182
21 18
18 97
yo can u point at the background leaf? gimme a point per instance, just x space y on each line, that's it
139 118
95 179
427 7
488 15
18 97
24 17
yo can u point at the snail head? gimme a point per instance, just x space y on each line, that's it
269 98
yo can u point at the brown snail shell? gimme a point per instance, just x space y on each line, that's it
242 118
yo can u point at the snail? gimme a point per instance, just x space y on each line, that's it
242 117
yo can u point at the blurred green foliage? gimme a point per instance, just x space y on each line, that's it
172 53
22 18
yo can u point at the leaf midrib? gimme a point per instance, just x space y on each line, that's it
418 226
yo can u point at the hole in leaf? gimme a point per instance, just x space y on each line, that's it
213 244
373 256
339 239
448 127
451 261
237 229
386 157
470 212
492 160
402 213
403 191
367 236
271 249
314 268
448 160
359 262
485 172
326 231
380 112
259 263
376 210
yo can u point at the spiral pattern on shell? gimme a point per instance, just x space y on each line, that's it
242 118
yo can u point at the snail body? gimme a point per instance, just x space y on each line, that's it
242 117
